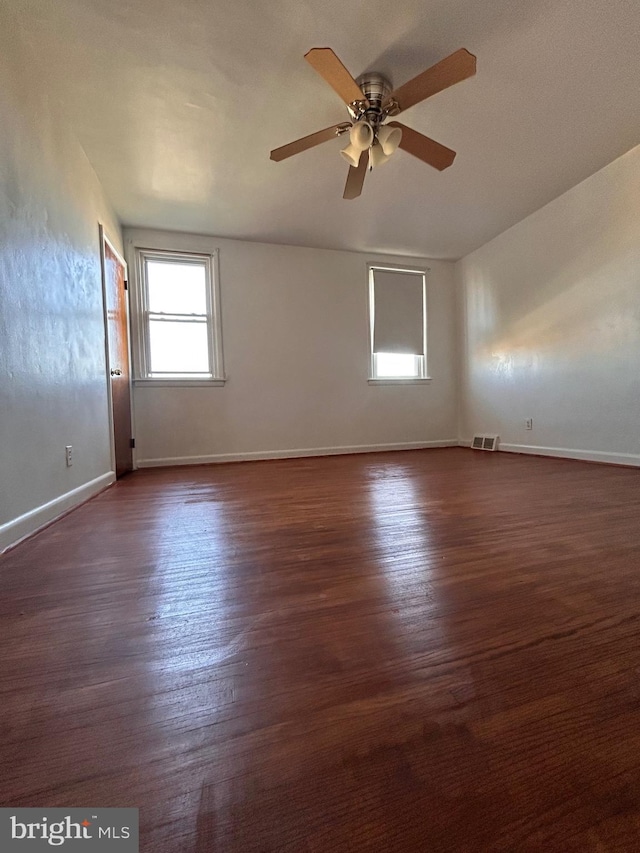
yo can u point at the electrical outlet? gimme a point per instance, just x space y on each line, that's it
528 424
68 452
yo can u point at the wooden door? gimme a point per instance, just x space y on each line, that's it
115 289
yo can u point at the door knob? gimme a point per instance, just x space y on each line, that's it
115 371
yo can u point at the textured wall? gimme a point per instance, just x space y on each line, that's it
295 333
52 369
551 323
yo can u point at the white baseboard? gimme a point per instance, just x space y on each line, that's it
13 532
569 453
574 453
291 454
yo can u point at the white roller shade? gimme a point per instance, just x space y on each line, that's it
398 308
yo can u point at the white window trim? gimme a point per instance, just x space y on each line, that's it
142 358
424 365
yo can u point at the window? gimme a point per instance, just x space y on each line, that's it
179 317
398 323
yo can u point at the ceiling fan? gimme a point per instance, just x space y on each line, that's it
370 102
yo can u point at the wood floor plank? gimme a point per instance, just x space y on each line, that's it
428 650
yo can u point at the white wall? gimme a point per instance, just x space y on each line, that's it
295 335
53 388
551 324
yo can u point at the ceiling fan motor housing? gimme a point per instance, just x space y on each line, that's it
375 89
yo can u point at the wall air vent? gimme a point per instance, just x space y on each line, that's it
485 442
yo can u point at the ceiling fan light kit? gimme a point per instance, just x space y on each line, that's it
370 102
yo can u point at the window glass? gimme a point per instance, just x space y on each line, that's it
396 364
176 288
178 347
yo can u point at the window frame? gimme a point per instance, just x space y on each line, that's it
423 360
142 360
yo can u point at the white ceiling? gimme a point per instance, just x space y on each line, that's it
178 102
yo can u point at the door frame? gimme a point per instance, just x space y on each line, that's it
105 241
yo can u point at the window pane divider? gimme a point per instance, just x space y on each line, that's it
178 318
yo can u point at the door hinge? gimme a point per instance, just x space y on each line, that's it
126 284
132 442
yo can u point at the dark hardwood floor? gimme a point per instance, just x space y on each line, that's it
421 651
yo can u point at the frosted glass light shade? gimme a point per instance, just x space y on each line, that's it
389 138
360 138
351 154
377 156
361 135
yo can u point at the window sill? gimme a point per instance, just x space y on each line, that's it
388 380
181 383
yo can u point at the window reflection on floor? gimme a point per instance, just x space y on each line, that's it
401 533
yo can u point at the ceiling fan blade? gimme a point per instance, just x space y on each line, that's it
443 74
329 67
308 142
356 176
425 149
